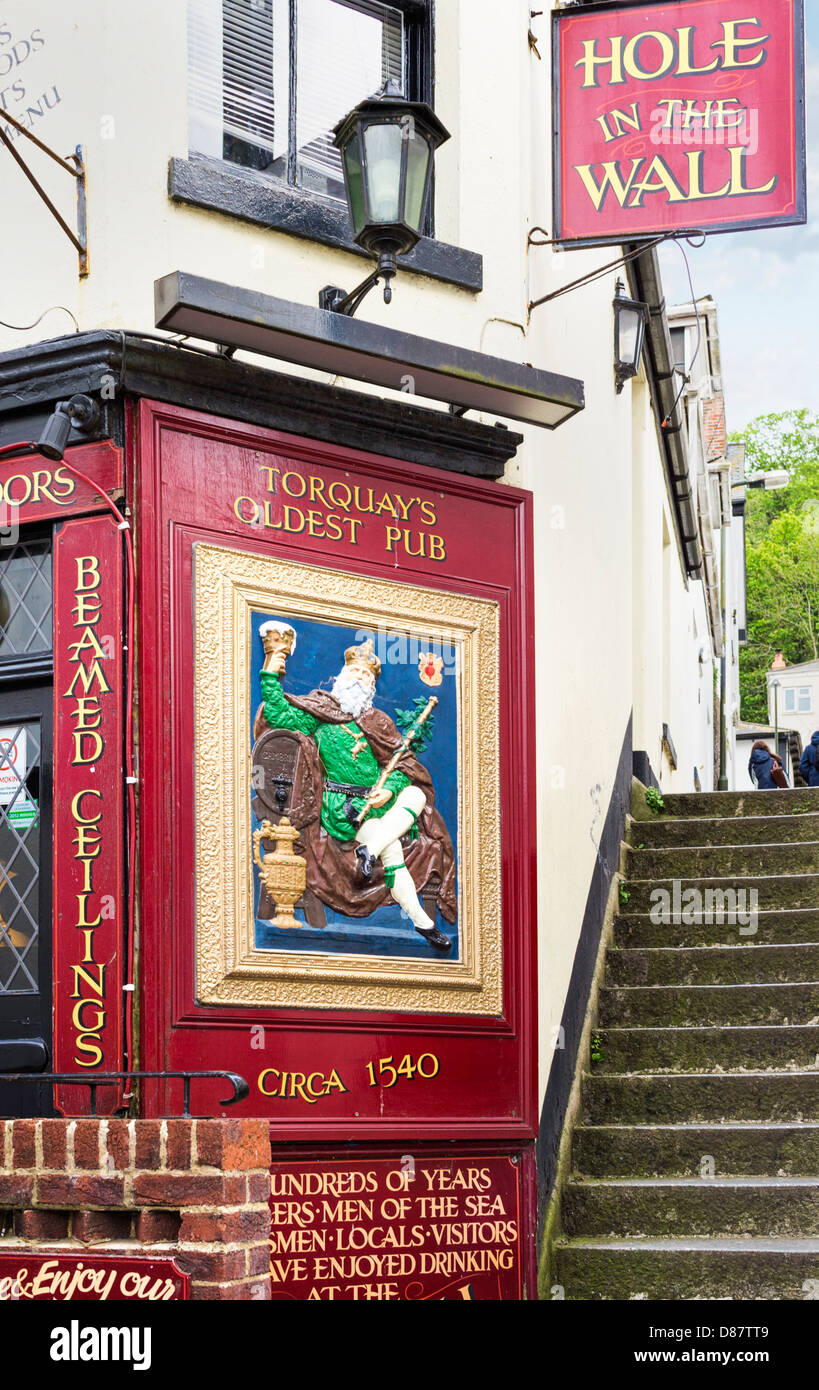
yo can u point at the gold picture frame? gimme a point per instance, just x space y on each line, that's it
229 584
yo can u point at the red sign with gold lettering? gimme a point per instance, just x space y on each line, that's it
411 1227
34 488
88 805
90 1278
677 116
373 978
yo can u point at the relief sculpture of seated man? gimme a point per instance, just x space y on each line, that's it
356 862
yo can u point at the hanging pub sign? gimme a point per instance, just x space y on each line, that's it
677 116
338 865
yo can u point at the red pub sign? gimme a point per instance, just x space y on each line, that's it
55 1277
40 489
410 1228
392 1001
677 116
88 822
334 631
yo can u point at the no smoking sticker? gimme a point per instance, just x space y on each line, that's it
13 764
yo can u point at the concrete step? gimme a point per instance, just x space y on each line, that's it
705 1268
694 1150
723 861
791 926
675 1098
695 1158
791 1048
661 1006
713 965
734 896
795 802
668 832
783 1207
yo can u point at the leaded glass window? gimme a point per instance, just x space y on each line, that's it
25 599
26 642
20 746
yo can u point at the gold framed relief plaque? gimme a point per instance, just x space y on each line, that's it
347 775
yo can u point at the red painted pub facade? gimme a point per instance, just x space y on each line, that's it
386 1035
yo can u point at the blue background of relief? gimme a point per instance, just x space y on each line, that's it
318 658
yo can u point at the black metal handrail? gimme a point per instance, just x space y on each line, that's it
241 1090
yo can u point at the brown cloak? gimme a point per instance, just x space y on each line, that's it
332 868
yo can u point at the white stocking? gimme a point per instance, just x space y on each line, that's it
382 837
381 831
403 891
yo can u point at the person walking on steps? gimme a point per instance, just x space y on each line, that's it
809 762
765 768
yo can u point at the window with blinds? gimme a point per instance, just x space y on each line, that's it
797 699
268 80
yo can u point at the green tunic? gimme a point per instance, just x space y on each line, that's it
336 744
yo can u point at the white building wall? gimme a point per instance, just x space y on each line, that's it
616 624
802 677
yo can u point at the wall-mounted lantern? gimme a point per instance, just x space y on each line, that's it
387 145
630 317
771 481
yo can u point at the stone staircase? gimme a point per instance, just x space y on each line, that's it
695 1158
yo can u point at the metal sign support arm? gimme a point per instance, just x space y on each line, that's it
77 171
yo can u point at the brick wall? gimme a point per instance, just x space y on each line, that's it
194 1189
713 424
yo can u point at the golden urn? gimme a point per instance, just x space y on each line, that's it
283 873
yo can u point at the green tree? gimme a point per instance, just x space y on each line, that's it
782 551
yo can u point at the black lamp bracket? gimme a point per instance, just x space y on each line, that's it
622 374
337 302
83 412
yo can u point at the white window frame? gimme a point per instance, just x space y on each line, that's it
797 694
207 123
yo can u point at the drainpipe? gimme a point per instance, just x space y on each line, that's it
722 784
664 384
721 467
711 580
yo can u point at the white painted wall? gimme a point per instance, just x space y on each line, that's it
796 678
616 623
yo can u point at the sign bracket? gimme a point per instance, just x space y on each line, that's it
645 244
77 171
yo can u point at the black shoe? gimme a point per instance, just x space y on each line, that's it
365 862
435 938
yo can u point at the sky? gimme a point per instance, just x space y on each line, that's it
766 287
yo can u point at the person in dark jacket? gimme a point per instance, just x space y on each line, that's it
809 762
761 767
